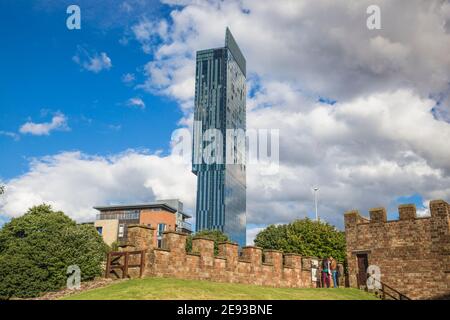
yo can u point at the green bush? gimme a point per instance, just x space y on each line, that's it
305 237
37 248
216 235
114 246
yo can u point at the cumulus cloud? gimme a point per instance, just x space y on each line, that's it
93 62
148 32
324 47
136 102
251 234
384 137
75 182
59 122
363 153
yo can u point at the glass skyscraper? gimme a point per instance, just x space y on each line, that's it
220 93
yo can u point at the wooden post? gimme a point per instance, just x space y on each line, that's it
108 262
125 266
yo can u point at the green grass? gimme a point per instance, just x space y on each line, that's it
173 289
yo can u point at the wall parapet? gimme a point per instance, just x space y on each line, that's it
406 212
252 265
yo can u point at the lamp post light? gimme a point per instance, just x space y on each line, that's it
315 202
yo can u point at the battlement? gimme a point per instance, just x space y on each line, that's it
252 265
407 212
412 253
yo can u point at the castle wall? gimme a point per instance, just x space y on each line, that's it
413 253
228 266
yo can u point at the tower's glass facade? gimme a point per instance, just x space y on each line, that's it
220 93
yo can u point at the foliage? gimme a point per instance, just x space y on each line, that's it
2 189
37 248
216 235
114 246
305 237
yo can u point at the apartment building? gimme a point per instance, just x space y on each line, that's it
163 215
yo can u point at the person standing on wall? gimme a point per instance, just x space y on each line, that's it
333 268
326 272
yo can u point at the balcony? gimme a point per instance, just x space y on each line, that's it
185 225
118 216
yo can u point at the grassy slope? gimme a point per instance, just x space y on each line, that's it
171 289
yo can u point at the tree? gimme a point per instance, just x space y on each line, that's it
37 248
216 235
305 237
2 190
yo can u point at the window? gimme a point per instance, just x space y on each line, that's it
161 229
121 230
100 230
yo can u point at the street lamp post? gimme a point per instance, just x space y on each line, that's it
315 202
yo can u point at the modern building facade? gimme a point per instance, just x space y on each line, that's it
163 215
220 94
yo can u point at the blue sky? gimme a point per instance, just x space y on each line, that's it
39 78
78 128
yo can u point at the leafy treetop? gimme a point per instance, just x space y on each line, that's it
305 237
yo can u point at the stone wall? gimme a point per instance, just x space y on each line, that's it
252 266
413 253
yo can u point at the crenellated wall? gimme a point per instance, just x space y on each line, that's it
413 253
277 270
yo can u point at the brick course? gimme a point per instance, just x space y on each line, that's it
413 253
228 266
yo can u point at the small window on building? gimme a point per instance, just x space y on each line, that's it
121 230
161 229
100 230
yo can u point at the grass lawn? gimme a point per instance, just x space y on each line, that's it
172 289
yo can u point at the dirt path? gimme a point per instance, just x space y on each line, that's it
97 283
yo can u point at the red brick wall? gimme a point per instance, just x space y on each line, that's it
153 218
201 264
413 254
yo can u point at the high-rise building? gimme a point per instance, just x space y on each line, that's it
220 94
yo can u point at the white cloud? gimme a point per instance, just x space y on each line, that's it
93 62
251 235
136 102
147 32
10 134
75 182
128 78
59 122
316 45
363 153
380 140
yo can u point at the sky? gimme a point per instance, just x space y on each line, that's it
87 115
